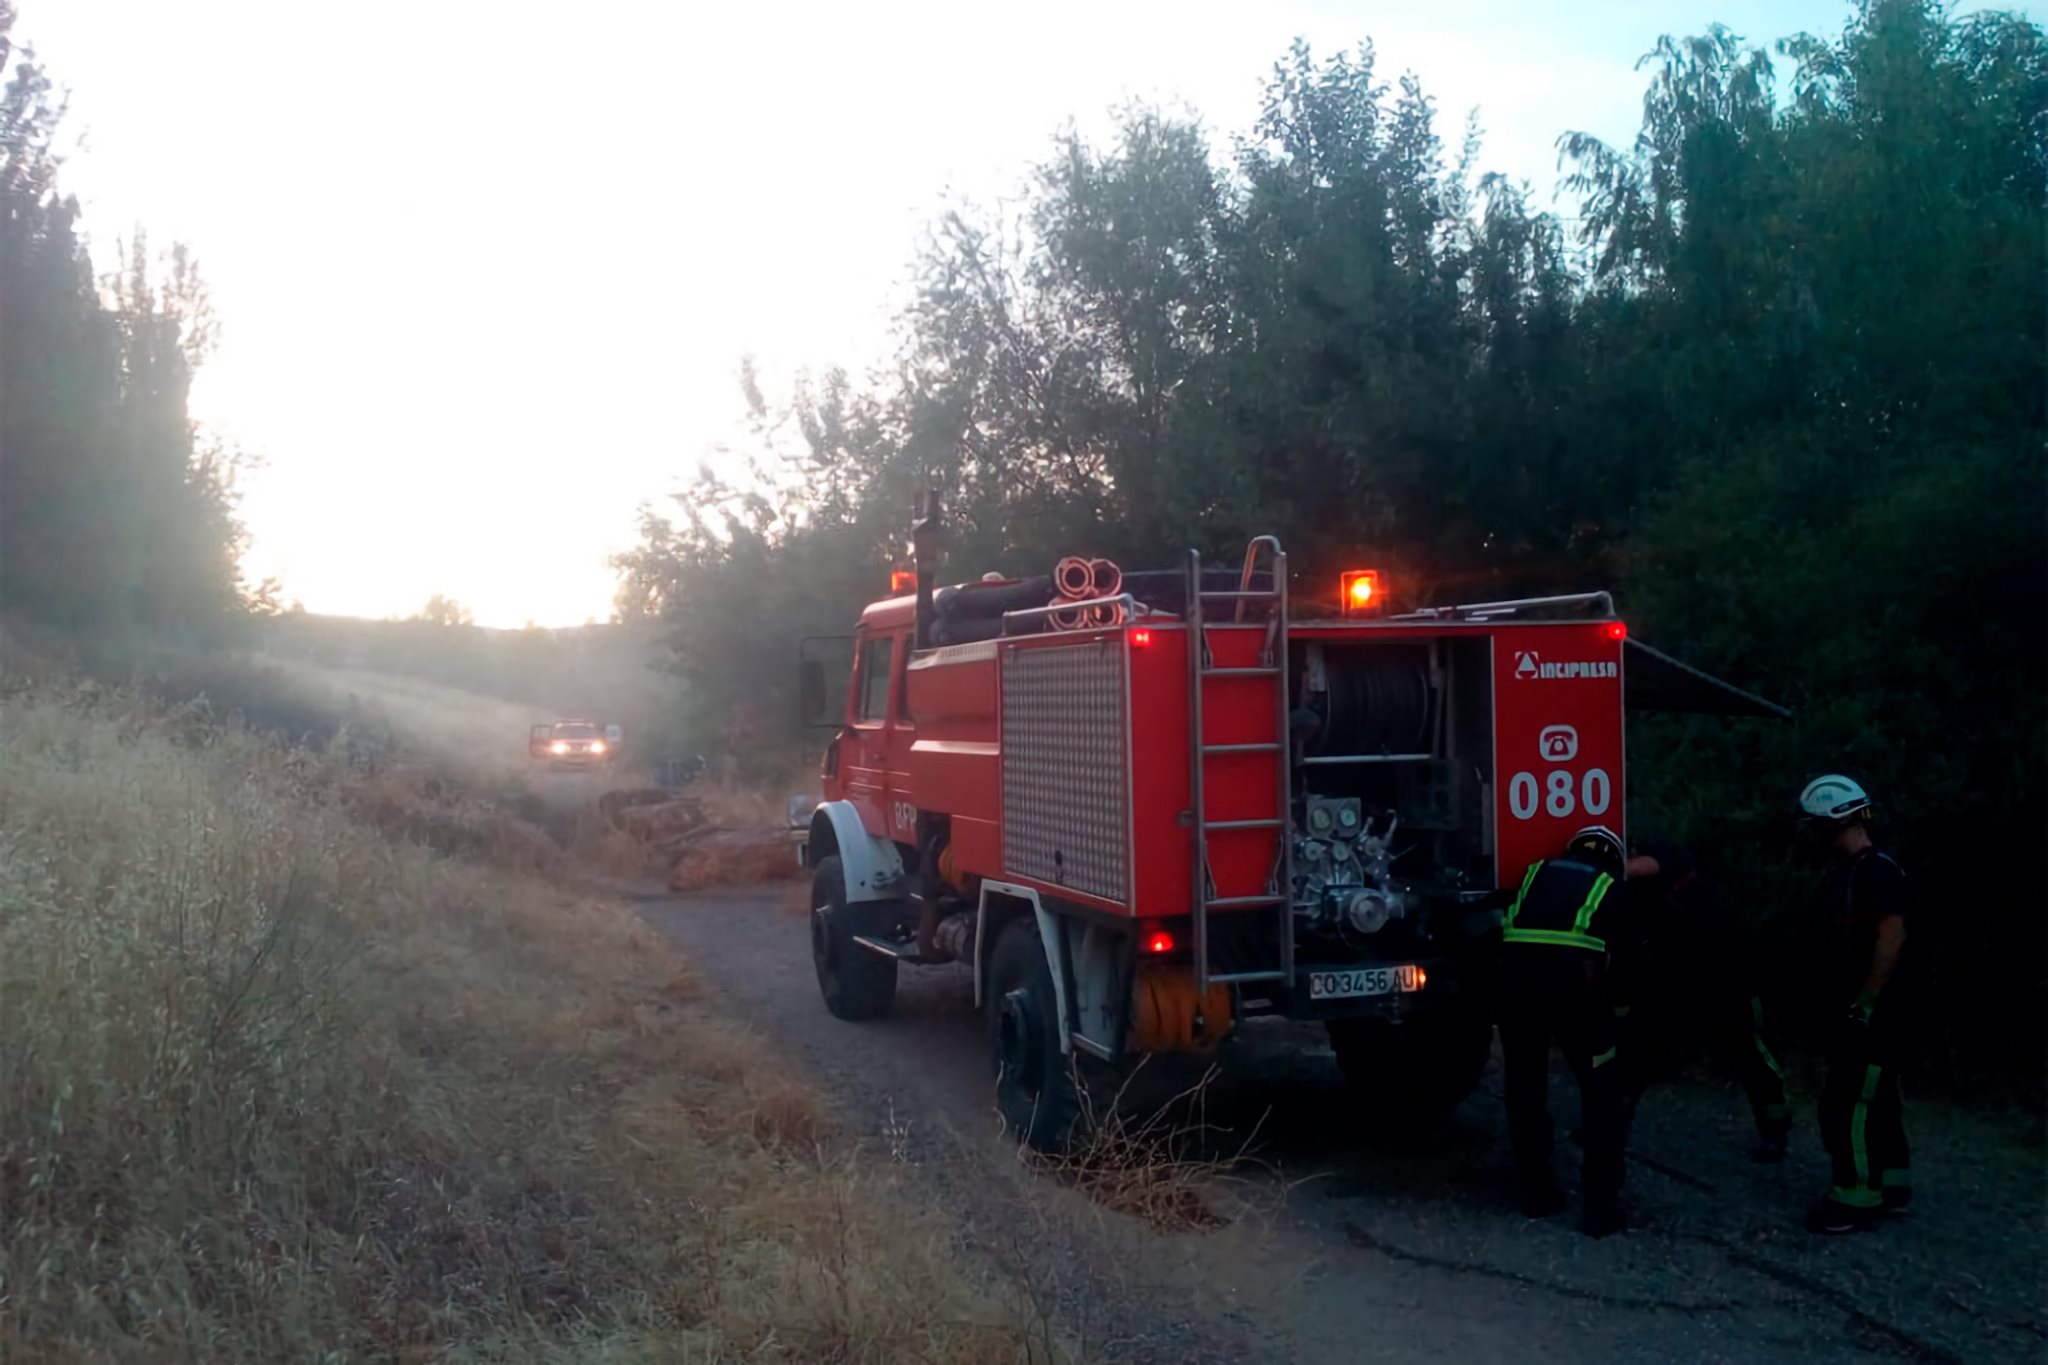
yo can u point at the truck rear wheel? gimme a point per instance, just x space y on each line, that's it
857 982
1036 1089
1414 1071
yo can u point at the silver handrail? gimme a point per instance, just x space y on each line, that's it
1481 610
1123 599
1251 564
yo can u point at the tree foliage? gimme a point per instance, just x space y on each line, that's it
113 511
1780 385
443 610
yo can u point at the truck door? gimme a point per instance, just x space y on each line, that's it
864 745
902 796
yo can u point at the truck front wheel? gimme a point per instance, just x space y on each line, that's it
857 982
1036 1089
1416 1070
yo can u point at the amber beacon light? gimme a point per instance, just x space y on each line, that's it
1359 590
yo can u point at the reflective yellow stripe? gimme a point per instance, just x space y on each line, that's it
1528 880
1756 1035
1562 938
1769 1060
1583 924
1857 1152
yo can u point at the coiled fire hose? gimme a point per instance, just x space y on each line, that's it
1079 580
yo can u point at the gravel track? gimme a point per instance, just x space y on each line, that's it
1343 1247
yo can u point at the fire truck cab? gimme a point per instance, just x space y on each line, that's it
1144 817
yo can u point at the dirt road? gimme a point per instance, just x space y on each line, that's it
1342 1248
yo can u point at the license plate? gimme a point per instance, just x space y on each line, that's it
1361 981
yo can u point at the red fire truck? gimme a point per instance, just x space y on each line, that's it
1145 816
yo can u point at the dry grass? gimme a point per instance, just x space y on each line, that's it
736 804
277 1085
1153 1162
738 858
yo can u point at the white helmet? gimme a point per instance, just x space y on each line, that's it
1597 841
1833 797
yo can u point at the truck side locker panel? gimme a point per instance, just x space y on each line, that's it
1066 767
1161 852
955 764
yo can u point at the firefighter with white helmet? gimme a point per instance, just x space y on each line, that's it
1861 1117
1556 941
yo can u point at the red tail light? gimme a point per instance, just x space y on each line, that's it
1617 630
1159 941
1141 638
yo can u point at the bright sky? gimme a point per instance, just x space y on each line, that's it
486 268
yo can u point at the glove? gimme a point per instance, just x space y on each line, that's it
1860 1010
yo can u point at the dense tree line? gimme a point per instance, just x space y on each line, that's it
113 512
1779 383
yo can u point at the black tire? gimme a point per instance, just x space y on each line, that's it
1037 1092
857 983
1417 1070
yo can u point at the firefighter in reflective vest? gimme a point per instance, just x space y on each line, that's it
1862 1121
1555 942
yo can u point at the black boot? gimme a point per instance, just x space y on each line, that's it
1603 1219
1832 1219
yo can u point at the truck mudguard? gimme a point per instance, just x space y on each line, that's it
1084 975
873 867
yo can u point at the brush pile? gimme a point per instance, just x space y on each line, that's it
680 832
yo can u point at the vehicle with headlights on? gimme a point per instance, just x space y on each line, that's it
573 744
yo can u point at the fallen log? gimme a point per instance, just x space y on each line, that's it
653 824
732 857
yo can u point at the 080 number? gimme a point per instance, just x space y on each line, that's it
1558 796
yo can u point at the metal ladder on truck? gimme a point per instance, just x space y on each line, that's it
1259 614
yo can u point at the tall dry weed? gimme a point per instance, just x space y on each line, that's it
276 1084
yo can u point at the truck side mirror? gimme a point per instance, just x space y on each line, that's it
812 684
820 658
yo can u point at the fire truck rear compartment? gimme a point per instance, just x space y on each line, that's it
1388 827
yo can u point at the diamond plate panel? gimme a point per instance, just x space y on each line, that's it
1065 809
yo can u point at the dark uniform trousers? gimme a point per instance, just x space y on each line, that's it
1559 994
1662 1018
1555 988
1862 1122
